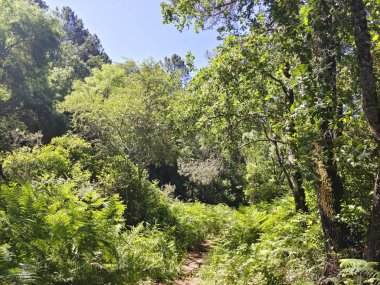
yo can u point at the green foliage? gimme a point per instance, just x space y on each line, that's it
143 200
289 76
253 245
61 159
196 222
265 179
72 159
178 67
11 272
26 165
86 45
126 106
63 224
358 271
210 180
147 254
78 149
206 14
280 96
29 36
79 53
356 217
65 238
274 246
69 239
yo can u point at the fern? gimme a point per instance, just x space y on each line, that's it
13 273
358 271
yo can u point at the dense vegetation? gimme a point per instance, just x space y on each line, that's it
111 172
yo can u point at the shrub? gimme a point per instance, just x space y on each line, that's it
31 164
63 158
62 223
144 201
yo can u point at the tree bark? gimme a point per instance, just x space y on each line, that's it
329 197
371 110
296 175
294 182
367 78
331 188
373 234
2 176
297 181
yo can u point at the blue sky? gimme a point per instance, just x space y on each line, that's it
133 29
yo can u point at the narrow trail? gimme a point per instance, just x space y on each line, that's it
195 260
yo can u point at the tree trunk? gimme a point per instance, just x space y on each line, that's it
330 192
297 181
295 184
2 176
373 235
329 197
296 175
371 110
367 78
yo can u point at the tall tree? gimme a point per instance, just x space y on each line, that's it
238 95
305 22
41 3
28 38
79 52
126 106
331 190
371 109
239 16
175 64
88 45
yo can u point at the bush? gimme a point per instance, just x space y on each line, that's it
66 157
358 271
31 164
144 201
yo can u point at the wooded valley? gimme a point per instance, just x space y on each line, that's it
110 173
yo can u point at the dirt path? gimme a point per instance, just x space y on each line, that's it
190 268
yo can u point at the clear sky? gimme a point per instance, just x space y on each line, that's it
133 29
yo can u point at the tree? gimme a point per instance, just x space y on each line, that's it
126 106
29 37
236 15
175 64
371 109
79 52
41 3
322 47
87 45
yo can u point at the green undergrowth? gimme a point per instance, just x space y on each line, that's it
73 241
258 244
69 215
270 245
196 222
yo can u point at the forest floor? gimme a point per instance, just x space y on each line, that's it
194 261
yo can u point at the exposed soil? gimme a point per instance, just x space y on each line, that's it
190 268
